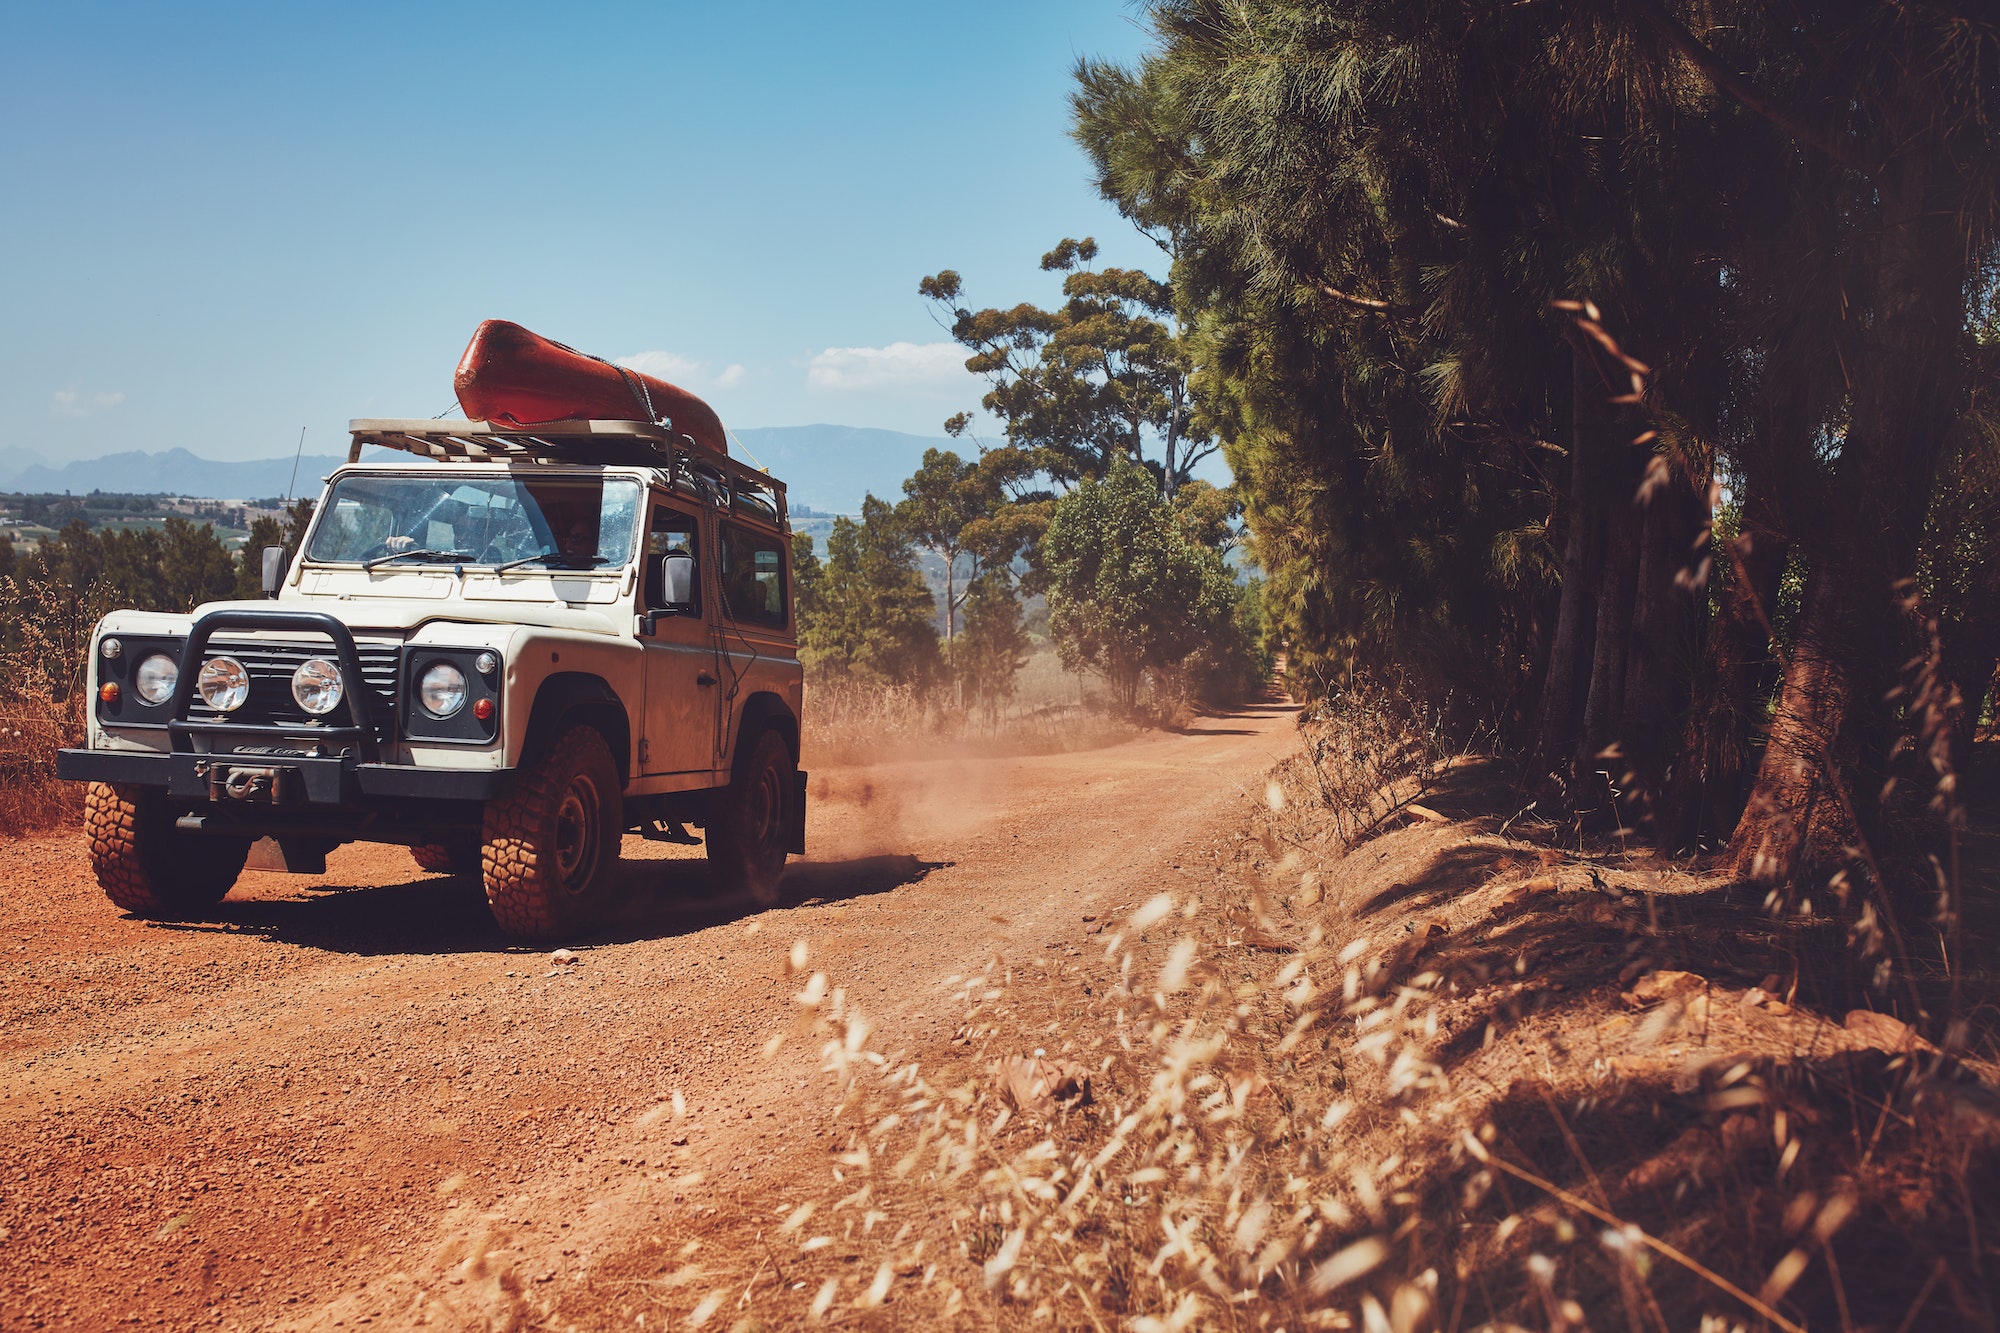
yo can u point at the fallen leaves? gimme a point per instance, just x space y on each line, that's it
1042 1085
1264 940
1886 1034
1665 984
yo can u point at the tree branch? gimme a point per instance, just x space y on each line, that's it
1365 302
1739 89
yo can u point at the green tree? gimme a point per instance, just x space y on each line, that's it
1236 665
288 531
1129 594
807 576
959 509
195 566
298 517
1089 382
1372 208
994 646
264 531
865 612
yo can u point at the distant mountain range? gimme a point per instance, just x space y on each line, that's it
826 468
830 468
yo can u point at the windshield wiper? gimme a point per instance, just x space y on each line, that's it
554 558
414 555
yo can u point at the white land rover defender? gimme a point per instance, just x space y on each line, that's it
504 653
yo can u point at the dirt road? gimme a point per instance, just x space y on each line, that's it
347 1100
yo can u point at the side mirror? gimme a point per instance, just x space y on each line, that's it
677 580
673 575
274 569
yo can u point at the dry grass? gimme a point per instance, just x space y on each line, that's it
32 729
1403 1075
1051 712
1365 757
41 699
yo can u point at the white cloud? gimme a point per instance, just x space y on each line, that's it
76 403
685 370
900 365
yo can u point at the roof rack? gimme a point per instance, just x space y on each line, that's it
631 443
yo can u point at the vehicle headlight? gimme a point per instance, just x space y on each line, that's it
156 677
442 689
317 686
223 684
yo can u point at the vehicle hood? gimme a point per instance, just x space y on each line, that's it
379 616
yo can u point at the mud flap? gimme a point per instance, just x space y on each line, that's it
288 856
798 843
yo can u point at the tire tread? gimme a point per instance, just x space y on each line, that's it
142 866
519 889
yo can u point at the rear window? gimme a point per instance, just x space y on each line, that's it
753 577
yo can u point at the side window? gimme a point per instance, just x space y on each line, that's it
671 530
753 577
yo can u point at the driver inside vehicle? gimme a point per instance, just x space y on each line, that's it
576 534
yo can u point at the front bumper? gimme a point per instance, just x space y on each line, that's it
295 780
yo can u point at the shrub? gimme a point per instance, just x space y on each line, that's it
1130 594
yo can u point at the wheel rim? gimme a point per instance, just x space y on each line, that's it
577 820
766 812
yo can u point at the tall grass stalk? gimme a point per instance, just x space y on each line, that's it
42 700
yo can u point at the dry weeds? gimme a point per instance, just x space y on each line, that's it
1050 713
1401 1074
1365 758
41 699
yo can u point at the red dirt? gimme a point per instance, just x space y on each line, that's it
348 1100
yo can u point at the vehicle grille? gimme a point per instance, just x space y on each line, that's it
271 665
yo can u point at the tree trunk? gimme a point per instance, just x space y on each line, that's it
1563 681
1737 674
1664 619
1830 728
1617 577
1971 653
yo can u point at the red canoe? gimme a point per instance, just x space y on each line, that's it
517 378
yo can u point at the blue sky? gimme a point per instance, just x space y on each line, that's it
226 222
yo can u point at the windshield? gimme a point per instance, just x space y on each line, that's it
569 522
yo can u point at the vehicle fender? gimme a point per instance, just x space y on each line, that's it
571 698
764 709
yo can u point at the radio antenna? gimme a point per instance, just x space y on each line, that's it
297 454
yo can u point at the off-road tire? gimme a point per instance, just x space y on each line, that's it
457 856
146 865
550 847
749 827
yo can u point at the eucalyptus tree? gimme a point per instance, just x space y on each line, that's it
960 510
1130 593
1101 377
865 612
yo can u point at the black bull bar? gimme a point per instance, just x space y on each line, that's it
287 777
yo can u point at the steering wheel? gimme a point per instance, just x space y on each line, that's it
514 539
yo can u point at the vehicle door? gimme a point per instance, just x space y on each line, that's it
682 698
750 573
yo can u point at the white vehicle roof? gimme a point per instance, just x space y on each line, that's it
638 444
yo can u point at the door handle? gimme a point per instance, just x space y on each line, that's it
703 678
